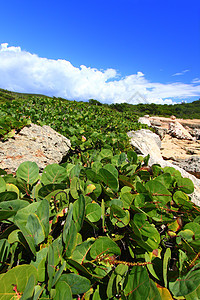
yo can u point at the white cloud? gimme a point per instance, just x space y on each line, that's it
181 73
4 47
196 80
25 72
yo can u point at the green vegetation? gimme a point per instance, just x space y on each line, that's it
109 229
183 110
89 126
102 224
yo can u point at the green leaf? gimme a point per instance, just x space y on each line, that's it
118 216
116 211
7 196
75 171
105 153
132 157
127 199
167 257
185 185
29 289
89 189
172 171
74 187
96 295
41 254
63 291
28 171
43 215
70 241
22 214
54 174
103 214
49 188
18 278
2 185
35 227
93 212
186 235
10 208
37 292
166 179
137 284
14 236
181 199
79 212
96 166
110 177
193 226
194 295
4 251
147 230
67 222
158 191
150 266
27 235
187 284
154 292
83 269
121 270
59 273
77 283
50 266
80 252
12 188
61 197
5 214
111 286
102 246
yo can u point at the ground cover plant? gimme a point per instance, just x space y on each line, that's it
88 126
101 225
111 228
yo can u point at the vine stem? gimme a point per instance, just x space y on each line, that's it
193 262
112 261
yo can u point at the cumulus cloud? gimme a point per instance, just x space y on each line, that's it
22 71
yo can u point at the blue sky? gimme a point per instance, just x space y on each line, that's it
150 47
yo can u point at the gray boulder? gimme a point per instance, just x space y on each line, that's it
197 133
160 131
191 164
178 131
144 120
146 142
42 145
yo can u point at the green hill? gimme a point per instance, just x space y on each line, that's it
183 110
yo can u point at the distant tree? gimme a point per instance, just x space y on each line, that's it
94 102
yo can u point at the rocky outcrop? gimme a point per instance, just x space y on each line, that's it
178 131
42 145
178 128
194 132
144 120
191 165
175 149
146 142
160 131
